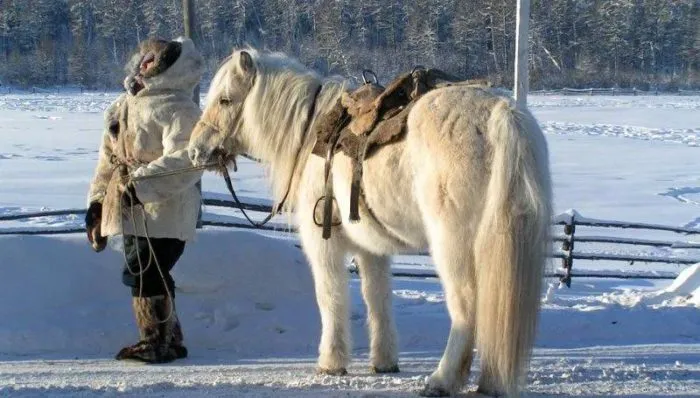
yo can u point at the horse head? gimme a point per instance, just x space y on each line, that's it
219 133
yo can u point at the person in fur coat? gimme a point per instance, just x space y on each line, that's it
147 132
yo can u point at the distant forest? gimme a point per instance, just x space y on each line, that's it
648 44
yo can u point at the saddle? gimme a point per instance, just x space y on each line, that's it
368 118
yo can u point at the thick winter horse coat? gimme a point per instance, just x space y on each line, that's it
159 120
470 182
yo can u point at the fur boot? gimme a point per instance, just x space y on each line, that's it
159 329
177 349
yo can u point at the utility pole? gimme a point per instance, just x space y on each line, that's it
522 81
189 20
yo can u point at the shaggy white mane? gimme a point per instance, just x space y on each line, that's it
275 113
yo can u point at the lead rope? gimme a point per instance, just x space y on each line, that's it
152 254
152 258
221 167
171 311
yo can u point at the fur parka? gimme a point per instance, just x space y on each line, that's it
154 128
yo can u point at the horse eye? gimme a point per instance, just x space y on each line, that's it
224 101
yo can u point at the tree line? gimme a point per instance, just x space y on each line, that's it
576 43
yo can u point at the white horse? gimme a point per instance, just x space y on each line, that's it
470 182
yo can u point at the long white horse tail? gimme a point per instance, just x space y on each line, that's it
511 245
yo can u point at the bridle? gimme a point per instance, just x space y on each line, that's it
222 160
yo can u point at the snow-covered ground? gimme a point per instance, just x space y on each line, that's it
65 313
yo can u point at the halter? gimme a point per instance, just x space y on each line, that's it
214 127
210 125
227 178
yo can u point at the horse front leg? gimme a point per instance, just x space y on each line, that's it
326 258
376 291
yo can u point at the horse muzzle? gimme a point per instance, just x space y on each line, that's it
216 158
199 157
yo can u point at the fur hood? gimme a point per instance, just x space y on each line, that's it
183 75
149 132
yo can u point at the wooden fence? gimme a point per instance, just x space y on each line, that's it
243 224
613 91
571 223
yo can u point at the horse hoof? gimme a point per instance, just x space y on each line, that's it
433 391
332 372
390 369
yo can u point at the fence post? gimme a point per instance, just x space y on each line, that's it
568 247
522 59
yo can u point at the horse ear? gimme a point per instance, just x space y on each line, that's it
246 62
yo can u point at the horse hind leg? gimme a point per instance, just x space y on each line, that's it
375 274
453 260
327 260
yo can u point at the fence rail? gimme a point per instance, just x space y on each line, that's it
570 221
613 91
561 91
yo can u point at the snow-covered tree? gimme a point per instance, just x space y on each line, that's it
573 42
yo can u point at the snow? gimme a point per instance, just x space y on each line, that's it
258 338
71 295
246 298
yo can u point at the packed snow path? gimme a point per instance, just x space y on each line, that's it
637 371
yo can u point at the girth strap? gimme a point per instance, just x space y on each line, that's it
328 175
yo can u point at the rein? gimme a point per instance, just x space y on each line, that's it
279 206
229 185
175 172
221 167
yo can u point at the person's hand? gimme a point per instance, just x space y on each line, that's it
93 221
